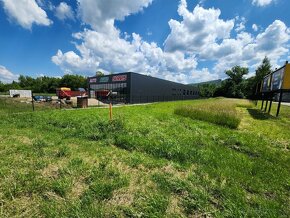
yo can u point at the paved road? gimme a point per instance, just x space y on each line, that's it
286 104
283 103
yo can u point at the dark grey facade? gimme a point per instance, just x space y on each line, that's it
137 88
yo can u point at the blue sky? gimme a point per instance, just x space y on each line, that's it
185 41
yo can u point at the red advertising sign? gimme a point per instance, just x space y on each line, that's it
93 80
119 78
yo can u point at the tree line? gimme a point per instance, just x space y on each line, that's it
236 85
45 84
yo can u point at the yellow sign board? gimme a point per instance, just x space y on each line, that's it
279 79
286 79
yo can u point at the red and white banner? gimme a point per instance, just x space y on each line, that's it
93 80
119 78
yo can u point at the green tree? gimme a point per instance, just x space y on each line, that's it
99 73
2 87
263 70
26 82
73 81
250 87
13 85
235 85
207 90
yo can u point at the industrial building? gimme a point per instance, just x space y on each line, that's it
134 88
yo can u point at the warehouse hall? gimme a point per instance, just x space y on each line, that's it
132 88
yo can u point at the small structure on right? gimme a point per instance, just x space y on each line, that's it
274 84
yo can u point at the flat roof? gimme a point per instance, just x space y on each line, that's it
139 74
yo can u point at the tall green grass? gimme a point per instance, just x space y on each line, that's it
221 112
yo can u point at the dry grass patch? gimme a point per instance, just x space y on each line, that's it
174 207
51 171
121 198
78 188
23 206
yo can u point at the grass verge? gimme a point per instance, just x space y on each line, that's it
147 162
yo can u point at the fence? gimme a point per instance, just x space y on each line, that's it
20 105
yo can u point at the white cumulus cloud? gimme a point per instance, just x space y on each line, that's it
64 11
197 29
255 27
273 37
26 13
101 14
6 76
240 26
261 3
201 35
114 54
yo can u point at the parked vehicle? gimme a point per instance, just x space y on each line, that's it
40 98
48 98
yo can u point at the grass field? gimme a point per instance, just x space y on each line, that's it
150 161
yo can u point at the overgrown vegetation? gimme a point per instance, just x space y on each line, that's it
15 105
147 162
222 112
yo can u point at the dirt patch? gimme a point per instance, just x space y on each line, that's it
25 140
51 171
172 170
173 207
52 196
122 198
78 188
23 206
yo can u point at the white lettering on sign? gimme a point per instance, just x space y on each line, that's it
93 80
119 78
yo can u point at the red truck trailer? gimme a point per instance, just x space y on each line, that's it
67 93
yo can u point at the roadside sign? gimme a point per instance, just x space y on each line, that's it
104 79
266 84
93 80
275 83
277 79
119 78
286 77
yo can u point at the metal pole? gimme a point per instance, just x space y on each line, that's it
271 100
279 104
110 111
262 102
266 103
32 101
